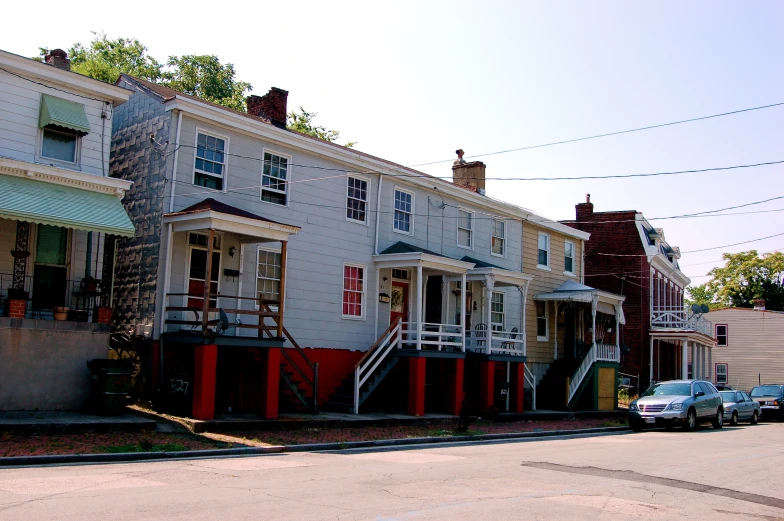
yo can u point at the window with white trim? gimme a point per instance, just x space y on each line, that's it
356 199
542 321
274 176
569 257
465 228
404 209
721 374
210 161
268 275
497 312
353 291
721 334
498 239
543 253
60 144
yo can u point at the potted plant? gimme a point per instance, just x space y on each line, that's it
61 313
19 254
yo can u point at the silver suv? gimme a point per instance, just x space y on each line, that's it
677 402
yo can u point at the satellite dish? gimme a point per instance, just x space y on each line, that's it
704 308
696 308
224 319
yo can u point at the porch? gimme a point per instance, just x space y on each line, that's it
681 344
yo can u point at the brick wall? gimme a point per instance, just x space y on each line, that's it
133 158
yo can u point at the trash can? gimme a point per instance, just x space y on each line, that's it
110 382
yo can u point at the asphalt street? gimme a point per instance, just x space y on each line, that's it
731 474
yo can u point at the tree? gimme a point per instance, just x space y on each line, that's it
746 276
302 122
207 78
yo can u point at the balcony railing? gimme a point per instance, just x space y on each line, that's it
674 317
434 336
186 312
501 342
47 294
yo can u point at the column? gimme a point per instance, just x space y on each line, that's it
710 363
517 387
594 304
555 328
455 384
420 276
685 359
489 286
205 361
416 385
650 365
523 323
486 385
270 380
282 295
205 315
618 332
463 310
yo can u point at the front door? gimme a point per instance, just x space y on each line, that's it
50 273
399 304
196 280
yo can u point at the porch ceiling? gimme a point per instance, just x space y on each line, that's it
427 261
680 334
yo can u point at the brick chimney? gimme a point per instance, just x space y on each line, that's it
272 106
585 210
759 304
468 175
58 58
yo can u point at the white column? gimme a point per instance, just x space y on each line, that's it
489 286
523 325
594 304
658 361
378 287
685 359
650 376
464 299
618 332
555 329
419 308
694 361
710 363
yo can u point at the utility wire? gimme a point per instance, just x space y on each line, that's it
55 88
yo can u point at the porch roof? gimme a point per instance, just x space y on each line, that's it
572 291
40 202
404 255
212 214
502 276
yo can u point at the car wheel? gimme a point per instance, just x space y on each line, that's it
691 420
754 418
636 426
734 419
718 421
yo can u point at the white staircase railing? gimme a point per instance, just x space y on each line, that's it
597 353
388 340
530 379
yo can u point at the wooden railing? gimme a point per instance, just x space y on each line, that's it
501 342
597 353
675 317
363 370
435 335
198 320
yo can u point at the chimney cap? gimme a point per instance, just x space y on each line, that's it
459 160
59 53
587 198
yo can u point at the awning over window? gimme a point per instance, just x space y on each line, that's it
63 113
47 203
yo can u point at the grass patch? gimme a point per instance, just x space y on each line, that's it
621 422
143 447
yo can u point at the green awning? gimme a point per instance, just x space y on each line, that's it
63 113
39 202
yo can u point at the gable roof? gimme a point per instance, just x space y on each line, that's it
211 204
404 247
482 264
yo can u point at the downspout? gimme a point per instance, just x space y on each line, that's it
582 261
378 212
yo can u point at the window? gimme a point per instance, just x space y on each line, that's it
721 374
688 372
210 161
721 334
404 206
498 240
465 227
274 188
497 314
569 258
542 321
59 144
268 275
198 239
356 200
353 291
544 251
400 274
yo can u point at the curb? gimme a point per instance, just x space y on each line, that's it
276 449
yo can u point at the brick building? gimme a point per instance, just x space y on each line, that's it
628 256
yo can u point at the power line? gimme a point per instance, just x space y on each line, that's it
694 251
55 88
608 134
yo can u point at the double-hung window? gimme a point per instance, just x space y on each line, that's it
356 200
404 209
268 276
274 176
465 228
721 334
498 240
542 322
353 291
543 259
569 258
721 373
60 144
497 313
210 163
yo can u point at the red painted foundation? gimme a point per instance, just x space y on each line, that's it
486 385
455 385
416 386
205 359
156 364
517 387
270 377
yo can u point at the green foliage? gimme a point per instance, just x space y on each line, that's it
302 122
206 77
746 276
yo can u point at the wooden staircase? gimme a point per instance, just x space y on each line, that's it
342 400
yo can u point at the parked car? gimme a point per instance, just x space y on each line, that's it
739 406
723 387
677 402
771 400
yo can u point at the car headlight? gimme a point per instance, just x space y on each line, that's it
676 406
633 407
775 402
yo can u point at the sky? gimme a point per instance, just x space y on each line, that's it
413 81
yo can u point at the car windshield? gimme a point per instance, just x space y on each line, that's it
727 396
766 390
669 390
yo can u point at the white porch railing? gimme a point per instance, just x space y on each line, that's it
597 353
675 317
373 358
530 379
501 342
435 335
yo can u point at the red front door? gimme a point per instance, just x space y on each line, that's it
399 304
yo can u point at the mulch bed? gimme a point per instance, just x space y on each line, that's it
103 442
346 434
